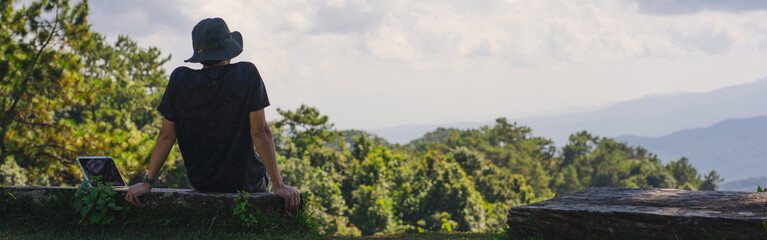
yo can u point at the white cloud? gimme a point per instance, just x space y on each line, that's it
381 63
677 7
391 43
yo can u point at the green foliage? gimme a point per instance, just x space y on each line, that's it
65 91
11 174
373 209
759 189
306 128
711 181
496 184
97 205
14 197
590 161
249 216
683 172
243 210
504 144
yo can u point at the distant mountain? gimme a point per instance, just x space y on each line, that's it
658 115
647 116
744 185
735 148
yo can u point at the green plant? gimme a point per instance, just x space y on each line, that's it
242 210
759 189
273 221
305 218
97 205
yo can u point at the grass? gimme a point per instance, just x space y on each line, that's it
46 233
431 235
33 231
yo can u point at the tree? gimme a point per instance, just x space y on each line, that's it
496 184
306 128
590 161
711 181
65 91
373 210
684 173
37 77
507 145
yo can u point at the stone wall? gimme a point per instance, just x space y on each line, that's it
621 213
158 197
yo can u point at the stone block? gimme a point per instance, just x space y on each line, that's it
623 213
158 197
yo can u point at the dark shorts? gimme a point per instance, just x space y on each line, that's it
256 179
261 185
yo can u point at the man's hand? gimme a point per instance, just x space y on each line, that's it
136 191
290 195
165 140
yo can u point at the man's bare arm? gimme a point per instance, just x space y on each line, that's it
165 140
264 141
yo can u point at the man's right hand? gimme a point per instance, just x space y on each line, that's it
136 191
290 195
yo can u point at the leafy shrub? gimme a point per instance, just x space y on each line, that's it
98 205
11 174
243 211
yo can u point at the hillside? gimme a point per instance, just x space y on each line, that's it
647 116
734 148
659 115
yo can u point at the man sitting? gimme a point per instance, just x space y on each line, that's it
217 115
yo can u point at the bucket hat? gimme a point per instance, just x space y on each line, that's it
212 40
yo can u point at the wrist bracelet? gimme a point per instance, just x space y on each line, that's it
149 180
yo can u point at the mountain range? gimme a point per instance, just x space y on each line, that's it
658 115
650 116
744 185
719 129
735 148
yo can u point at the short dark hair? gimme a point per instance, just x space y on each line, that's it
211 62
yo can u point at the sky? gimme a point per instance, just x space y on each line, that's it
373 64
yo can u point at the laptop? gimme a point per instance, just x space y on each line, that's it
103 166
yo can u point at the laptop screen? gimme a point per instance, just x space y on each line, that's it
101 166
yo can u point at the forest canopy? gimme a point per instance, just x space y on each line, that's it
66 91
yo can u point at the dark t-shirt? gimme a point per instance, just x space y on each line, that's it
210 108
